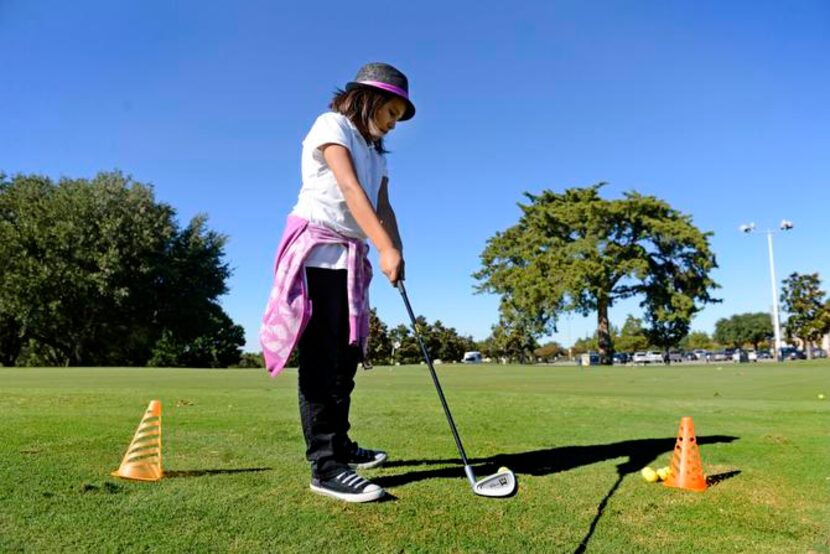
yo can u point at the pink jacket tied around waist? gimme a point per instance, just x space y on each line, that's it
289 307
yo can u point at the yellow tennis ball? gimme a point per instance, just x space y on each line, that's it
821 396
649 474
663 473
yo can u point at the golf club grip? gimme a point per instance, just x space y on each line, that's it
444 404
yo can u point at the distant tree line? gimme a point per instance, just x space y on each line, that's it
97 272
398 344
740 330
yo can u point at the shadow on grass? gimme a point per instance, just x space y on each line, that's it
622 471
600 509
640 453
712 480
204 472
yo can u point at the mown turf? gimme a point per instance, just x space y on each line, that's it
236 479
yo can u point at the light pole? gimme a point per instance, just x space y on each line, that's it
785 225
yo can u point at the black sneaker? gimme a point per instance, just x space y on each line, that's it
363 458
348 486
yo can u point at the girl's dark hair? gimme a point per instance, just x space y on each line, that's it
359 105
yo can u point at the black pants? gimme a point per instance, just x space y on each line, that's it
327 369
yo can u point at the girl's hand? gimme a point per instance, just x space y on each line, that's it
391 264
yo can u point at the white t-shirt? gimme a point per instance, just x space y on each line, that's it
321 200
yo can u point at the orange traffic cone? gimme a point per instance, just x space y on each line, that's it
686 468
143 458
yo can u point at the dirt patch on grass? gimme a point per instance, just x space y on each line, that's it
773 438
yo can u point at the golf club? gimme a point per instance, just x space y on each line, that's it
502 483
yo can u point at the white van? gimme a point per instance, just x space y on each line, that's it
650 357
471 358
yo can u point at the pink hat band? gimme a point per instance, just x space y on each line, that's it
385 86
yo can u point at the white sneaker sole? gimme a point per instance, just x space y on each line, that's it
369 465
365 497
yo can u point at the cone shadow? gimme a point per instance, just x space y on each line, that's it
712 480
204 472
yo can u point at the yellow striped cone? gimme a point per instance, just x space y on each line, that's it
143 458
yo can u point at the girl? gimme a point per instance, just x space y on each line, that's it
319 301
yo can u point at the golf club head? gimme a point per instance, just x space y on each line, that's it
499 484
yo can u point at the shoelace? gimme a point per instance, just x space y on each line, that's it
352 479
362 452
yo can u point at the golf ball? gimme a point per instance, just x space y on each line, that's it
821 397
502 468
649 474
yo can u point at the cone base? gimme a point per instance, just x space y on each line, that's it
136 477
693 488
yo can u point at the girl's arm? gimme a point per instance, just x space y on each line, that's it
389 221
339 160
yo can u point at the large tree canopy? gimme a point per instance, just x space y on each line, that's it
803 299
96 272
741 329
577 251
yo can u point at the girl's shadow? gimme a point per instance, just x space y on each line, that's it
640 452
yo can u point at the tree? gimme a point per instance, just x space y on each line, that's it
251 360
452 346
584 345
576 251
380 345
96 272
803 299
632 336
406 347
741 329
696 340
550 351
511 341
214 341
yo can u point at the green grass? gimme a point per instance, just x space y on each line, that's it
237 480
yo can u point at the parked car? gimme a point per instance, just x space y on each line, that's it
819 353
792 353
764 355
471 358
701 354
651 357
621 357
752 356
676 357
740 356
718 356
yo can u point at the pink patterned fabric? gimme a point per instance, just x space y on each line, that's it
289 308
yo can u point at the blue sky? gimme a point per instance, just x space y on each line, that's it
720 108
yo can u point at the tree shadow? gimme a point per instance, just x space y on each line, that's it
204 472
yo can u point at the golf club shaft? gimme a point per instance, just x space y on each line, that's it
458 444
